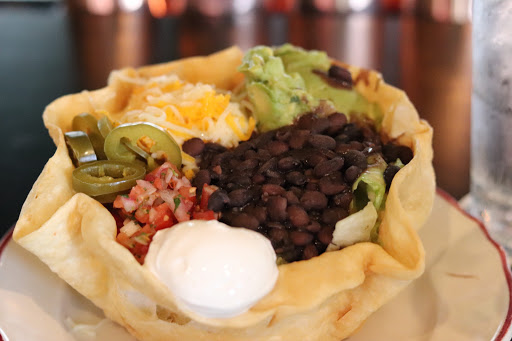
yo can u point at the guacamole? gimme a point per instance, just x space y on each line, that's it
286 81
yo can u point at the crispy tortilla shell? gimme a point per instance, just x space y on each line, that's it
325 298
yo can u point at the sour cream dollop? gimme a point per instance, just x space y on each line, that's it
214 270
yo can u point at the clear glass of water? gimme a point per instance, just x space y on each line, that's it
491 119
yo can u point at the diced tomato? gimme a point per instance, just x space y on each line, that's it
136 193
163 199
124 240
140 251
205 195
142 214
149 230
188 193
161 217
204 215
127 204
182 210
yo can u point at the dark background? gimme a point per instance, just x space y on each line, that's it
48 50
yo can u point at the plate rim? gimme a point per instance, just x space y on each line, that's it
504 329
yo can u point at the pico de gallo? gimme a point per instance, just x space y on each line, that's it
162 199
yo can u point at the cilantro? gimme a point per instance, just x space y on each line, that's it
177 202
295 99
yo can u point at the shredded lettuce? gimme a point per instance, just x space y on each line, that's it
370 186
355 228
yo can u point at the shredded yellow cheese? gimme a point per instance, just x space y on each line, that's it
187 110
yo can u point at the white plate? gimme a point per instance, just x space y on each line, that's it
463 295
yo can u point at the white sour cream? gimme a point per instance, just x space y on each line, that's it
213 269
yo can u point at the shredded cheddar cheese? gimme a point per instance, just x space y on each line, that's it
187 110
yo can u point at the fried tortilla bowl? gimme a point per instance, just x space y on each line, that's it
325 298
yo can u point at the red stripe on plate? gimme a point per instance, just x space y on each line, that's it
3 243
500 335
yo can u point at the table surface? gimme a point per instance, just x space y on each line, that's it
47 51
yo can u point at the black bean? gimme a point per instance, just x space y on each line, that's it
332 184
330 154
296 190
273 174
320 125
218 200
309 252
214 147
331 216
262 140
352 131
275 225
298 138
278 235
328 166
250 154
314 158
259 212
271 189
342 147
276 148
341 75
243 147
390 152
305 121
240 181
245 220
193 147
352 173
270 164
301 238
296 178
336 123
355 158
202 177
276 208
321 141
291 198
280 181
258 178
343 199
342 138
288 163
232 163
312 186
284 133
239 197
247 164
297 216
263 155
218 159
313 200
356 145
405 154
325 235
389 174
313 226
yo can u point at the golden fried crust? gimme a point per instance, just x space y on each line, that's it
325 298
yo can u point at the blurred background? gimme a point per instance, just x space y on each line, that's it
52 48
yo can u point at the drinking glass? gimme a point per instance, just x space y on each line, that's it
491 119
